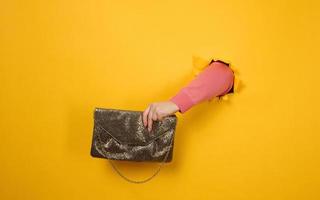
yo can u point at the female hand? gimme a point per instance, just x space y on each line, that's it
157 111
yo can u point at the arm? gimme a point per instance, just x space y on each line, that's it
214 80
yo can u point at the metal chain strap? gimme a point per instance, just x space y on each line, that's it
131 180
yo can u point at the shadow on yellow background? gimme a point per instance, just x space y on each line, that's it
60 59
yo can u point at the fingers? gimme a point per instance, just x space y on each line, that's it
152 113
145 116
150 117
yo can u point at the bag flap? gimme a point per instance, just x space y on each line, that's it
126 126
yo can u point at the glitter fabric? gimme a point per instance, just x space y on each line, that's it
121 135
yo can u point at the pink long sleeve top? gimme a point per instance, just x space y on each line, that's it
215 80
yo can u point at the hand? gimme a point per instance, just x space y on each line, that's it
157 111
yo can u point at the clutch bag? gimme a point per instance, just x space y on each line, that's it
119 134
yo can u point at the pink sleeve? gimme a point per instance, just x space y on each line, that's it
215 80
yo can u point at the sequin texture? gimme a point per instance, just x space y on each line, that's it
121 135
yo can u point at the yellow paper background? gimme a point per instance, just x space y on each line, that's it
60 59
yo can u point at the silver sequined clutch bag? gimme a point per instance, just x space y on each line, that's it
120 135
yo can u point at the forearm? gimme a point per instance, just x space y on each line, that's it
215 80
